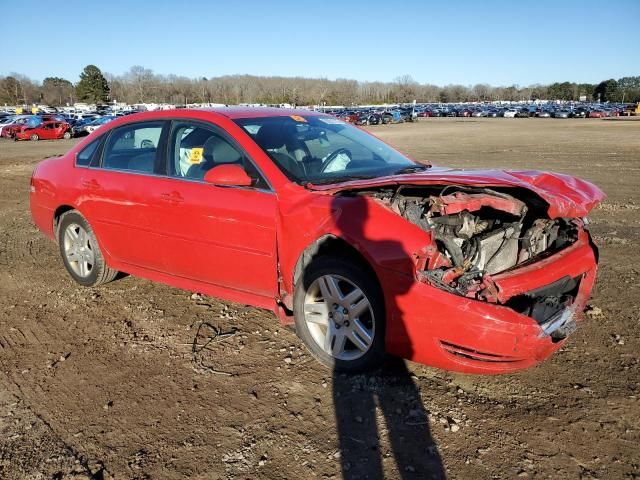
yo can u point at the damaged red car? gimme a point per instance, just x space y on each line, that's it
368 252
47 130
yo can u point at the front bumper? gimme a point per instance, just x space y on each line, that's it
441 329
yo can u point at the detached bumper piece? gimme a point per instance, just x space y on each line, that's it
552 307
561 325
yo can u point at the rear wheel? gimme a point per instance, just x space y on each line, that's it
67 135
339 315
81 253
34 137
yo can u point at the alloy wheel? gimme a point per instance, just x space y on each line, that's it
78 250
339 317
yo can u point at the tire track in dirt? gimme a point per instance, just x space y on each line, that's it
17 249
16 338
48 456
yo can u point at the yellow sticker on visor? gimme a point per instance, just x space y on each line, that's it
298 118
196 155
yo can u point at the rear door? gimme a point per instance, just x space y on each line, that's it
58 130
121 195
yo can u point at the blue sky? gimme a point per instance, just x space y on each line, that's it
440 42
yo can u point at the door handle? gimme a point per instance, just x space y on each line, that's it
173 197
91 184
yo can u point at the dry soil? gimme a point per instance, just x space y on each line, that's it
102 383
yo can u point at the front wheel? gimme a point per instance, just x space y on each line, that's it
81 253
34 137
67 135
339 315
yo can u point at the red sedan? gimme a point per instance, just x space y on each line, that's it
365 250
47 130
351 117
597 114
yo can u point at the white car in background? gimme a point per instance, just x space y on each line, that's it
96 124
511 113
7 121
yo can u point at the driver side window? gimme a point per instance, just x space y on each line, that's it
196 149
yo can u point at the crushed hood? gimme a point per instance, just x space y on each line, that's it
566 195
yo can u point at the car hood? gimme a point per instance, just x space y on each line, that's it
566 195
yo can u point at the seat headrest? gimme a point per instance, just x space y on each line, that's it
271 136
208 148
217 150
225 153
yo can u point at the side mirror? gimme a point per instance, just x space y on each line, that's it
229 175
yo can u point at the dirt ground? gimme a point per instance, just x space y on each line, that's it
102 383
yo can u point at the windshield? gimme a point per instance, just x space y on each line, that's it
323 149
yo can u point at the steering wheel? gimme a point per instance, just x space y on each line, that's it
330 159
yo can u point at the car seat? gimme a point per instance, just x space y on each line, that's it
272 137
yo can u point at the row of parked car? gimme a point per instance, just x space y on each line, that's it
51 126
378 116
544 111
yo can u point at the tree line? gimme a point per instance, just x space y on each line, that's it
142 85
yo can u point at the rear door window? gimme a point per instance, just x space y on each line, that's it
83 159
133 147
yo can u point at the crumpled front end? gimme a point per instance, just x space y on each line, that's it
507 282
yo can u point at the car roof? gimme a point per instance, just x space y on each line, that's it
257 112
231 113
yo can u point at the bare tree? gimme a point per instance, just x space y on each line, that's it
141 80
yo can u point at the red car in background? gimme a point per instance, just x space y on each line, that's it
47 130
10 130
368 252
597 114
351 117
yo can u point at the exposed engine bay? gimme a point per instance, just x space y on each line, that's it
477 232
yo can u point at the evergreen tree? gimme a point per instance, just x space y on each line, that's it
92 87
607 91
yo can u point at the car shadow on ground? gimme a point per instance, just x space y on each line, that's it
384 403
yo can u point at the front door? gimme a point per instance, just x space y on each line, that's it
225 236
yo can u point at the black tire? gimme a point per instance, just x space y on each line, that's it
34 137
364 280
67 135
99 273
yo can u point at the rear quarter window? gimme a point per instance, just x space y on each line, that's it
83 159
